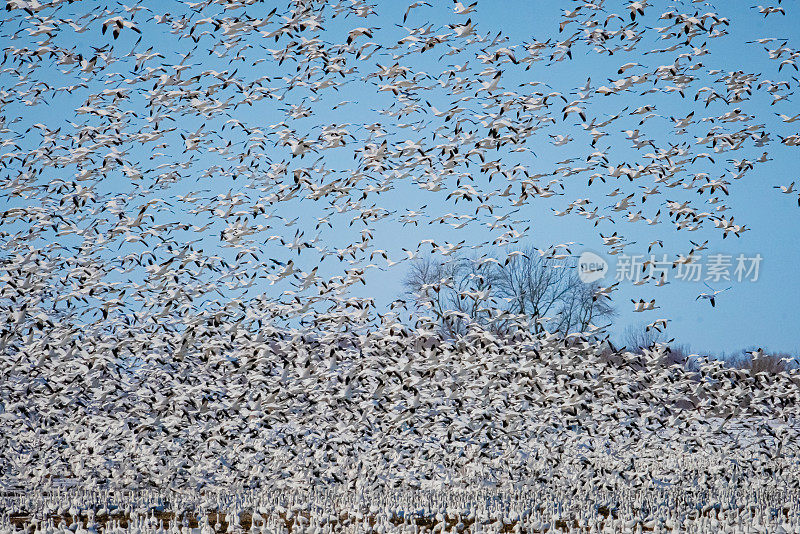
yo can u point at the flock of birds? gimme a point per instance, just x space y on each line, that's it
571 427
480 510
192 199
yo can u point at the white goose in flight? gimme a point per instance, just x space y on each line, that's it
711 296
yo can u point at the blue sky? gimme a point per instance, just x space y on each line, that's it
750 314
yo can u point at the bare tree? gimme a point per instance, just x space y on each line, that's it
458 292
528 287
580 308
637 338
682 355
757 361
550 292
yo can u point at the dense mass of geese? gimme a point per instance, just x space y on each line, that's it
401 409
570 509
193 197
